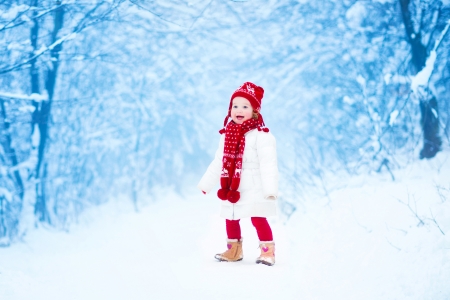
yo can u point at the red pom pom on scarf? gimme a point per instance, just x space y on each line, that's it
223 194
234 196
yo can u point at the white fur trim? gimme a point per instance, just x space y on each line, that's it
233 240
271 242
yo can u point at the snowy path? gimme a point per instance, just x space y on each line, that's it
351 249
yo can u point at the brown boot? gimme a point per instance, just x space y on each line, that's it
267 256
234 252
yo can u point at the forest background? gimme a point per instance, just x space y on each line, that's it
105 99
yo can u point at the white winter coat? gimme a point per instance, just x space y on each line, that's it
259 178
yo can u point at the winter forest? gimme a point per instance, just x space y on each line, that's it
121 101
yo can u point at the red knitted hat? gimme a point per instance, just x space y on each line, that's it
251 92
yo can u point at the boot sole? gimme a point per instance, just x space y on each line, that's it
264 263
221 260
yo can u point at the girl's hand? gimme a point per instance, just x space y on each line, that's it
204 192
271 198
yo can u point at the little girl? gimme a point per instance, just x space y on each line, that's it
245 164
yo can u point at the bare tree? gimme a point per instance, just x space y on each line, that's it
34 68
42 115
421 20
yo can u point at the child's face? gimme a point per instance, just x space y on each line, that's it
241 110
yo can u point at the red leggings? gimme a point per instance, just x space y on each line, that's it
262 228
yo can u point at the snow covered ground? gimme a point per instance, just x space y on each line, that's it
363 242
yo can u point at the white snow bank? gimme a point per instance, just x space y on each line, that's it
366 243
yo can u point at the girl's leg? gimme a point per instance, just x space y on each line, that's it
234 243
266 243
262 228
233 229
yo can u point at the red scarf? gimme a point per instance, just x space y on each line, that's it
232 156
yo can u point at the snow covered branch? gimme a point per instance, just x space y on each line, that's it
32 97
423 77
87 21
11 24
39 53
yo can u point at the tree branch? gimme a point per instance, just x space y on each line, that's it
409 27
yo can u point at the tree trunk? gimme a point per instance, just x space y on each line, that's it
10 153
43 119
428 102
34 72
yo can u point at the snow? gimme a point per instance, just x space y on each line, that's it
361 80
36 136
43 48
384 1
400 79
434 113
373 239
27 108
348 100
422 78
392 117
356 15
27 164
387 78
13 11
5 194
31 97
